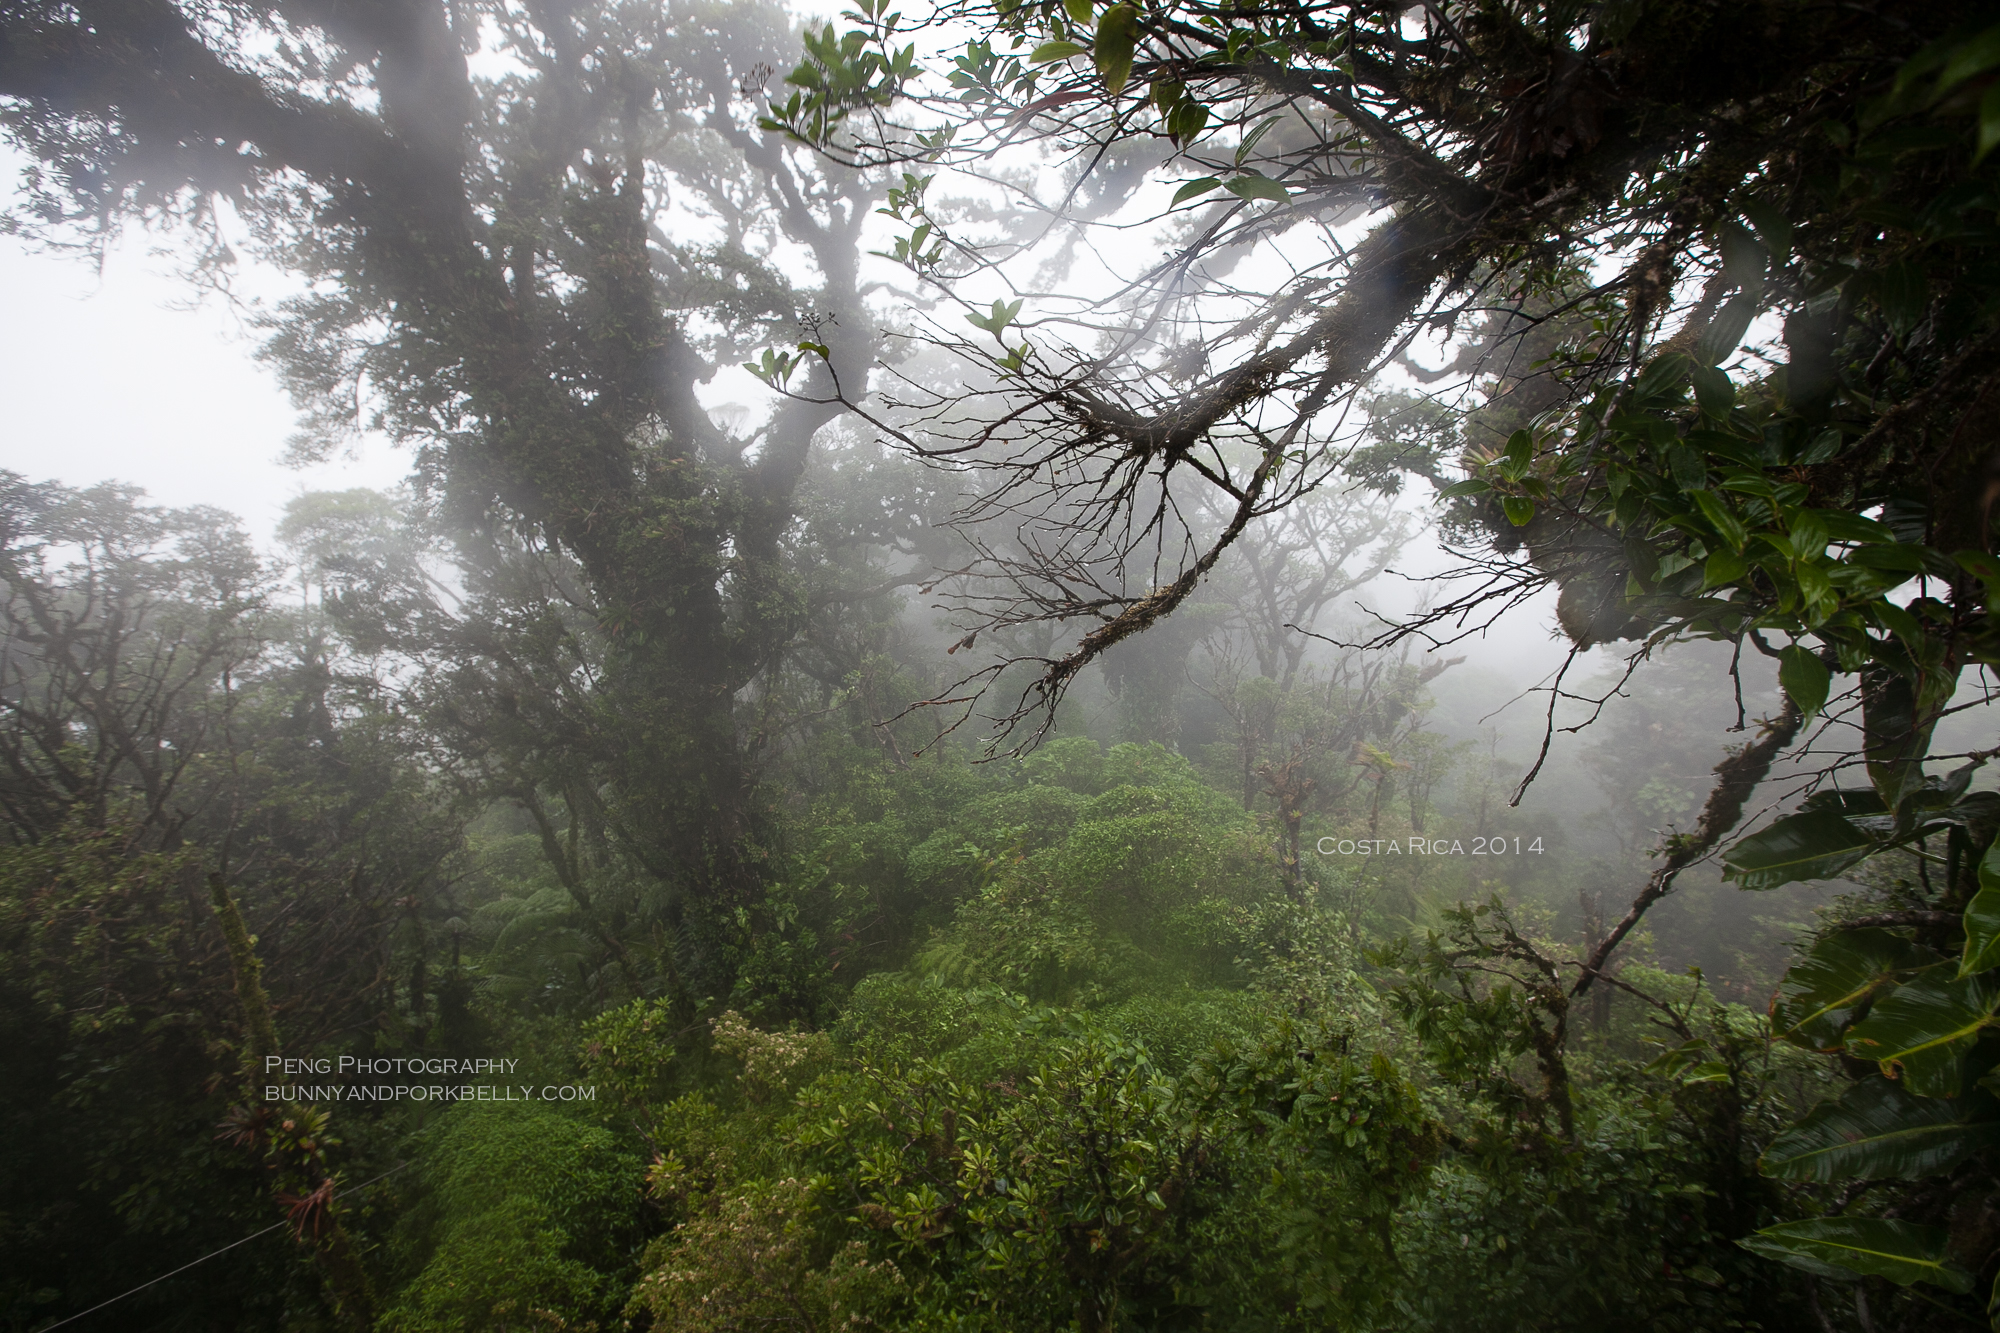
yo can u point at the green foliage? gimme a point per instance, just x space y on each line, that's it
1050 1171
1057 1042
168 725
526 1219
1618 1234
1083 1040
1879 1131
1074 763
1923 1029
1816 845
750 1260
1833 985
1482 997
630 1051
1878 1247
1982 919
1113 903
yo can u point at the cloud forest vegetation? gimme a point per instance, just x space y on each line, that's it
916 802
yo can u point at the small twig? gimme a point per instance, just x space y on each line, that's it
1548 729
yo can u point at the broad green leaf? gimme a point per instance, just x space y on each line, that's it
1687 467
1195 188
1243 149
1805 678
1677 1060
1850 801
1078 10
1672 563
1970 59
1809 533
1841 1247
1255 185
1743 256
1050 52
1816 844
1686 1063
1928 60
1520 448
1713 391
1854 528
1981 565
1936 795
1980 810
1186 121
1660 380
1726 330
1892 738
1772 224
1904 293
1723 567
1519 509
1814 586
1720 517
1117 34
1922 1028
1820 994
1902 559
1748 454
1982 919
1878 1131
1470 486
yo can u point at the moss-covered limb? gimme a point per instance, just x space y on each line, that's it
311 1206
258 1025
1736 777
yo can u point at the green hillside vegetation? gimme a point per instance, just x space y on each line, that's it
1058 1040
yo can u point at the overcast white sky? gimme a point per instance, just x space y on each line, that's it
102 379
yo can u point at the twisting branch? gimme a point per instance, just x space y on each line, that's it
1736 777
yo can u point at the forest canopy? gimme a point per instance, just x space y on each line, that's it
935 838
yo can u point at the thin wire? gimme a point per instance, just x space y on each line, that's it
206 1257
